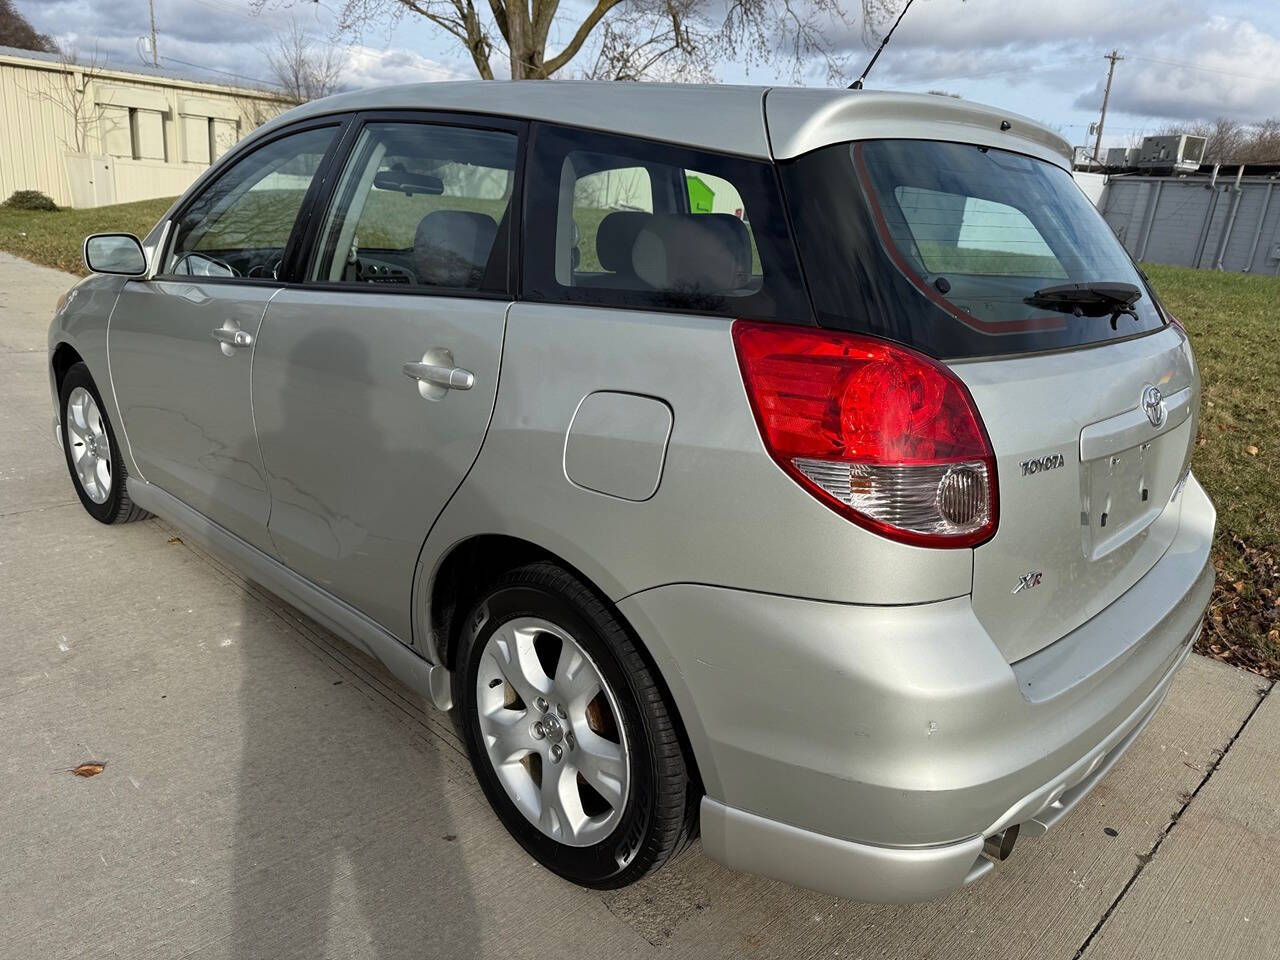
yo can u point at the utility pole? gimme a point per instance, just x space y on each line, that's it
155 59
1113 56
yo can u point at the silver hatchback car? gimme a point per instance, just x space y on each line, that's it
807 468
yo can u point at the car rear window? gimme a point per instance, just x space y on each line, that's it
943 246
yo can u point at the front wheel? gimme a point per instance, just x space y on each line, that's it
92 452
569 732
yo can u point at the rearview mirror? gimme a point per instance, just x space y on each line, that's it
408 183
117 253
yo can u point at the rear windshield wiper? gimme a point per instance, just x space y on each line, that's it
1089 299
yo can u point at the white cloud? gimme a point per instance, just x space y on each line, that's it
370 67
1223 54
999 24
1042 57
1219 67
214 40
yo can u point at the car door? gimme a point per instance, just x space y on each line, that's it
181 344
374 379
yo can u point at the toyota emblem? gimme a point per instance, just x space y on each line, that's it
1153 405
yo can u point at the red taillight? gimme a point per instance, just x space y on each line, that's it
881 434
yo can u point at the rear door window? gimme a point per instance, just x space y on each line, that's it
959 250
421 205
596 196
614 221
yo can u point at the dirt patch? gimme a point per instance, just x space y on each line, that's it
1242 625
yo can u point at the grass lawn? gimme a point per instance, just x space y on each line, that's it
1234 322
55 239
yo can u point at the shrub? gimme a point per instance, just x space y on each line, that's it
30 200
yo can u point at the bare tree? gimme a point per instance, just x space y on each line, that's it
1230 141
256 111
305 68
1223 137
75 97
627 39
1262 144
16 31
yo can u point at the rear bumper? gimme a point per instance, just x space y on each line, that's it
861 871
866 751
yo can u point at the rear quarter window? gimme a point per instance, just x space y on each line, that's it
615 221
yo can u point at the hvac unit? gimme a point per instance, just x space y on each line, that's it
1120 158
1178 153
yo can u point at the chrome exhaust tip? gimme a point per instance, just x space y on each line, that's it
999 846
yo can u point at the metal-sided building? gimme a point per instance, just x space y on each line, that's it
88 135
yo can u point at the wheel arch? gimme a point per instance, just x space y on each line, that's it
469 565
463 571
63 358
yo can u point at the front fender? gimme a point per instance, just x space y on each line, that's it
82 324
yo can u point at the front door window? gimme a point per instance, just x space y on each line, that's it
241 224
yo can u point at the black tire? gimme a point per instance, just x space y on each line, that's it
660 814
117 508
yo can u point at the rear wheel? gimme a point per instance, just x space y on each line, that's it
92 453
569 732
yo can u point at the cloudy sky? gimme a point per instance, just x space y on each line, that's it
1185 59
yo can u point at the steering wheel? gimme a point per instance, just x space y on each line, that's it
203 265
260 271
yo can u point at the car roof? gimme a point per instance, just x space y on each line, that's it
721 117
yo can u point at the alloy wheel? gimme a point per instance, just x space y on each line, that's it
88 444
553 731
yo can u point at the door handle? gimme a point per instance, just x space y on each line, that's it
451 378
233 338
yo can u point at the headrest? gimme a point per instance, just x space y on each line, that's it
451 247
736 237
615 238
693 253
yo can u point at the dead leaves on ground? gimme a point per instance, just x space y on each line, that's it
1242 625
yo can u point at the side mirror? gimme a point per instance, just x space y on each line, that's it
118 253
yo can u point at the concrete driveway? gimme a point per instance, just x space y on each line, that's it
271 793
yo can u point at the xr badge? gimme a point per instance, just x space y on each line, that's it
1027 581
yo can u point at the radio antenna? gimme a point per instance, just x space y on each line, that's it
857 84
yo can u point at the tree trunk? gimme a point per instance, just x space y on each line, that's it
515 42
519 37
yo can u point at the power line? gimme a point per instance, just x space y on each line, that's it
1192 66
1126 129
1058 66
983 76
225 73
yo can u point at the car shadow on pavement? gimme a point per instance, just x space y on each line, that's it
344 842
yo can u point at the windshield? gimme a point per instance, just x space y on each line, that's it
955 249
